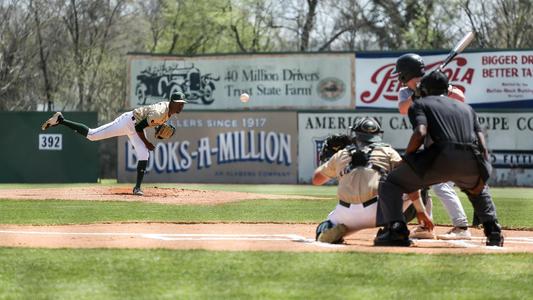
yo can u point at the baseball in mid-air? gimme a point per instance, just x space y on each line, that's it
244 97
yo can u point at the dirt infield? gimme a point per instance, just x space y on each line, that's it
236 237
213 236
151 195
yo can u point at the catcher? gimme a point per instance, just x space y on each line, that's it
131 124
358 162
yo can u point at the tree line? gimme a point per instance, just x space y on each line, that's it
71 54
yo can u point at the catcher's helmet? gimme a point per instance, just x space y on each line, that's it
409 66
434 83
367 130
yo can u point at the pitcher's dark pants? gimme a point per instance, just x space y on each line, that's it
457 165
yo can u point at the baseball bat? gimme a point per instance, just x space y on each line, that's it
463 43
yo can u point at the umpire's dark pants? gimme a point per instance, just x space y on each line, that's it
450 164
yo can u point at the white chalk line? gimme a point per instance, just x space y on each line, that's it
185 236
166 236
454 243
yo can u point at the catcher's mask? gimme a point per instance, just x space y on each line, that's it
434 83
409 66
367 130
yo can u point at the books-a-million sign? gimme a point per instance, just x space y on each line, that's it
228 147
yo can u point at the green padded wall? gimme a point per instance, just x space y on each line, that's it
23 161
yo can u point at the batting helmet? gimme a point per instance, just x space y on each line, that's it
434 83
409 66
367 130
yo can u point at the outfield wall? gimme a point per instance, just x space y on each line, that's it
274 81
489 79
305 97
283 147
58 154
299 81
508 136
223 147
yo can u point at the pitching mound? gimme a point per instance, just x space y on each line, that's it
151 194
237 237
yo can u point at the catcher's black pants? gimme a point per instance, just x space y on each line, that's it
459 166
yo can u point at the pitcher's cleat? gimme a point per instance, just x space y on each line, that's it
137 191
53 121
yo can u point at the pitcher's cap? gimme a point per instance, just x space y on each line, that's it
178 97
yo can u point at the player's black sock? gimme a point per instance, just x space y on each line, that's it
78 127
141 169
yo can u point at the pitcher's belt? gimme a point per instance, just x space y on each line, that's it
365 204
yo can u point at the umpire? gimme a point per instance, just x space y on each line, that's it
458 154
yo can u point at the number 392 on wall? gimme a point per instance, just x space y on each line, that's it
50 141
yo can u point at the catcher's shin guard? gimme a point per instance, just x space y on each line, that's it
326 232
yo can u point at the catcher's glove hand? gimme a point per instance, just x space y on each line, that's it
333 144
164 131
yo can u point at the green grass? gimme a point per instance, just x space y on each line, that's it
72 212
514 211
167 274
172 274
276 189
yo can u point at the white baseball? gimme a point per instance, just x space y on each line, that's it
244 98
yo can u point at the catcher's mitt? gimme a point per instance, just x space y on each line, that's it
164 131
333 144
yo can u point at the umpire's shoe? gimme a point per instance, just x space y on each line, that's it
53 121
396 235
493 232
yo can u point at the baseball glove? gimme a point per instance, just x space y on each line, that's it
333 144
164 131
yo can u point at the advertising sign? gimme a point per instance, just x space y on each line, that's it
507 135
318 80
488 79
220 147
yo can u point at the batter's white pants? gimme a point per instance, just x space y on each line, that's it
122 125
357 217
451 202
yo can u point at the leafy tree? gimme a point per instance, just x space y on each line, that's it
501 23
